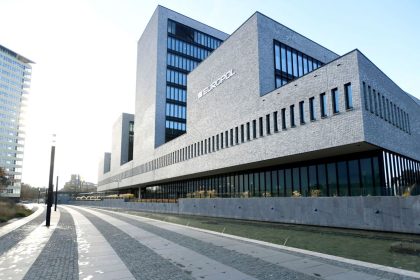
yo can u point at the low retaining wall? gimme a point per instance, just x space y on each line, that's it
394 214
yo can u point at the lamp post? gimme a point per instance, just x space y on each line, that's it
56 194
50 184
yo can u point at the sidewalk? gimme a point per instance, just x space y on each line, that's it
88 243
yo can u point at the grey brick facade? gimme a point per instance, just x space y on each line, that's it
249 95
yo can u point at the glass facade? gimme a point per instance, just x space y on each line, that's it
291 64
186 48
15 76
370 173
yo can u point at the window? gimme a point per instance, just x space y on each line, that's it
323 104
370 99
261 126
384 108
301 112
254 129
242 134
312 108
205 146
366 97
335 101
267 122
380 105
283 118
221 140
375 102
408 123
248 132
209 142
289 61
217 142
226 139
277 56
292 115
290 64
276 127
236 135
349 96
231 137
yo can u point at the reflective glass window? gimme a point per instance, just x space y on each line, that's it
348 96
289 186
282 186
295 63
289 61
323 104
335 100
283 59
292 115
300 65
312 108
332 179
305 64
301 112
367 176
354 176
277 56
322 180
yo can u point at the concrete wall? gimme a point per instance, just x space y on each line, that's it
393 214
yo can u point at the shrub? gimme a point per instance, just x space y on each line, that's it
10 210
296 194
315 193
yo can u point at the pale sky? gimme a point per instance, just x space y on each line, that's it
85 54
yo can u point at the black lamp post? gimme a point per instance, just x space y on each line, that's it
50 184
56 194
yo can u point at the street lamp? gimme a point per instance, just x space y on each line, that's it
56 194
50 184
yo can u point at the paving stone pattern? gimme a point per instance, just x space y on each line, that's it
59 258
12 238
247 264
142 262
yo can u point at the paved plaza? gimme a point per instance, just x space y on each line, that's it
91 243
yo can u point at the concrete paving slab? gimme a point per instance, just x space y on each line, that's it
295 261
198 265
351 275
16 262
91 244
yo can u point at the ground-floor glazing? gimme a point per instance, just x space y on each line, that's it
376 173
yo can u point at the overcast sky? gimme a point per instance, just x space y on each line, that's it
85 55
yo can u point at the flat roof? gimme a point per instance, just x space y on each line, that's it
16 55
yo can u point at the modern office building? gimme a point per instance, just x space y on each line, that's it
270 113
15 77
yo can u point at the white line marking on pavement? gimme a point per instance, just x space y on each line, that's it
97 259
16 224
291 249
200 266
16 262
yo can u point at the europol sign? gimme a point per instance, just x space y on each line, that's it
216 83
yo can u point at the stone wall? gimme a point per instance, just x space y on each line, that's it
393 214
